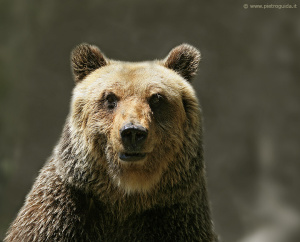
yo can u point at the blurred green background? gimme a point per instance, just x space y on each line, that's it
248 84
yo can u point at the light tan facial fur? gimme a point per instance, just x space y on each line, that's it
133 84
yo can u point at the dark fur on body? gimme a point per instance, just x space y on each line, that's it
75 198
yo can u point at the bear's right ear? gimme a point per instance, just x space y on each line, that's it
85 59
184 59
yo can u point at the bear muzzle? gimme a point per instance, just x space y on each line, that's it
133 138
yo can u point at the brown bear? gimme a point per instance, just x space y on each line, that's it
129 164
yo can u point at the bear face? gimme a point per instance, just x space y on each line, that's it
132 120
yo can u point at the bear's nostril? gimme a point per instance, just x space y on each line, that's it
133 136
140 136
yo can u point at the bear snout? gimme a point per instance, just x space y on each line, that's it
133 136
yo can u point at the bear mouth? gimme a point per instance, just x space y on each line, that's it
132 156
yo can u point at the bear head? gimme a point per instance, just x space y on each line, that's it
130 123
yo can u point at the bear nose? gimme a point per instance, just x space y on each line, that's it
133 136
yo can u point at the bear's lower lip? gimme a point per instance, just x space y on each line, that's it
132 156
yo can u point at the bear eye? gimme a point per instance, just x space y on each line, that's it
111 101
155 100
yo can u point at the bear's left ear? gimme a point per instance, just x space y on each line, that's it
85 59
184 59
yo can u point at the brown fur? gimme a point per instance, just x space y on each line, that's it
86 192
